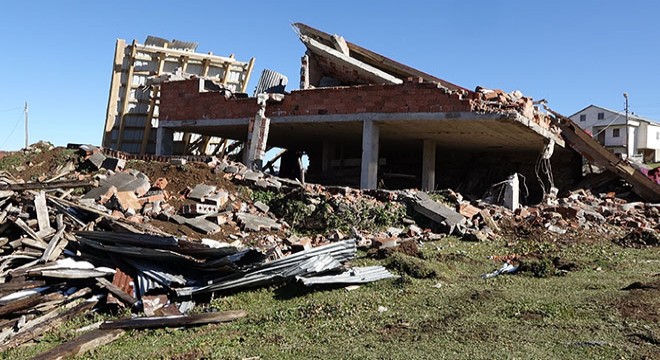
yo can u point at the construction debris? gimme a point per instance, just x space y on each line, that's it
161 248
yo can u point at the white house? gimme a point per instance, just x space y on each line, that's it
609 128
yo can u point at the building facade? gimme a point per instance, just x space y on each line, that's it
639 138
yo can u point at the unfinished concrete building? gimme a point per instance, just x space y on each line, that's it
134 98
367 121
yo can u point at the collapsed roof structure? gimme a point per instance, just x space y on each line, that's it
366 120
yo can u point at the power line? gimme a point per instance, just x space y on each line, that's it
18 121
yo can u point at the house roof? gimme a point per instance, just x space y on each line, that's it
620 113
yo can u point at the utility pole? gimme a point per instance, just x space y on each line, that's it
628 150
26 124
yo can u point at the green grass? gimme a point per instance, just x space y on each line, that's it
453 314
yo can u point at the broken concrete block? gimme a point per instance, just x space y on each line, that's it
95 161
394 232
218 199
178 161
253 176
263 183
261 206
127 182
414 230
476 236
152 196
488 219
202 225
594 216
385 243
300 244
257 223
113 164
197 209
468 210
231 169
160 183
437 212
201 191
125 201
101 194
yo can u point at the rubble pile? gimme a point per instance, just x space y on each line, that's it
497 100
64 254
93 233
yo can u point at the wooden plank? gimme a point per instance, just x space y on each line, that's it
174 321
21 285
34 244
13 307
115 84
52 245
119 293
126 96
81 344
38 326
246 74
41 208
21 224
155 93
48 185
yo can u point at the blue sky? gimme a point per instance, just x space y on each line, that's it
57 55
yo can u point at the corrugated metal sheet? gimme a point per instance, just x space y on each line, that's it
359 275
271 81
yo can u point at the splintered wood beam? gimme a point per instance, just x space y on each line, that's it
247 74
81 344
174 321
52 245
28 230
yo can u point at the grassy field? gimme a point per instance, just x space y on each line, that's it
452 313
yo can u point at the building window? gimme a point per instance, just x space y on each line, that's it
616 132
601 116
583 117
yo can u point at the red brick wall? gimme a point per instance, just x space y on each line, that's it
180 100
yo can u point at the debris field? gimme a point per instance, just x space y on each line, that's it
90 235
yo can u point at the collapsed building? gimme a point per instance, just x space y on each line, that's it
367 121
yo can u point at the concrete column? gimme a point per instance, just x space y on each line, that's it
512 192
428 165
369 165
164 141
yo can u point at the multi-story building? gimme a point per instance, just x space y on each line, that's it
639 138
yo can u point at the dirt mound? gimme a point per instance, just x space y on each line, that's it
639 238
40 162
181 176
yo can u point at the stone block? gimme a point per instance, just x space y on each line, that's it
201 191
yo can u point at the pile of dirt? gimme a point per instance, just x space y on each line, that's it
639 238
